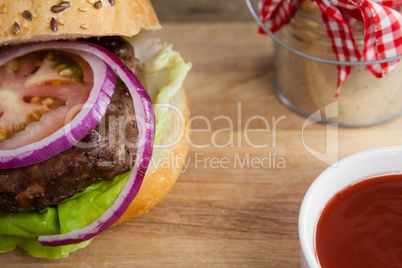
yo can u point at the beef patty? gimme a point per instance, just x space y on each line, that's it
108 150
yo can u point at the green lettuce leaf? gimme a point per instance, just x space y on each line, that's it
164 75
23 229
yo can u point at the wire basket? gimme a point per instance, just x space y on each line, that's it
305 77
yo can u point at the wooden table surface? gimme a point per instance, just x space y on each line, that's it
236 205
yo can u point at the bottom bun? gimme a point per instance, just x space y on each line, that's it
168 159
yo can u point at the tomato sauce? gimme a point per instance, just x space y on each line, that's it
361 226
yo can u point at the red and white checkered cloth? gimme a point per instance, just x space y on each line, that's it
382 29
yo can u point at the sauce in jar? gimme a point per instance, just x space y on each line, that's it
361 226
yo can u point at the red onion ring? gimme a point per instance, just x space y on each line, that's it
146 124
88 117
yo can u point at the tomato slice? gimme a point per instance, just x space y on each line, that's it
38 93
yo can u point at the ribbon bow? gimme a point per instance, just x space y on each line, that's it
382 29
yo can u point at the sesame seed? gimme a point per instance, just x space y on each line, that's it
57 8
98 5
35 100
84 26
54 25
48 101
36 116
3 134
15 28
3 8
91 1
60 21
65 72
27 15
49 56
112 2
65 4
83 9
60 67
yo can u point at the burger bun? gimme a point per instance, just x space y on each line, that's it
30 21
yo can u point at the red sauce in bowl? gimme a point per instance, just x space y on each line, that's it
361 226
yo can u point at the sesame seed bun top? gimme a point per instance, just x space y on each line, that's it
41 20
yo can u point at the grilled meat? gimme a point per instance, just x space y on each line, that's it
108 150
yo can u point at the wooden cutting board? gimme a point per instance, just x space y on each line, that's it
236 205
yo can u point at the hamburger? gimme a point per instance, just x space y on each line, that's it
93 120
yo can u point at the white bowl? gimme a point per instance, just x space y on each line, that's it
333 179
